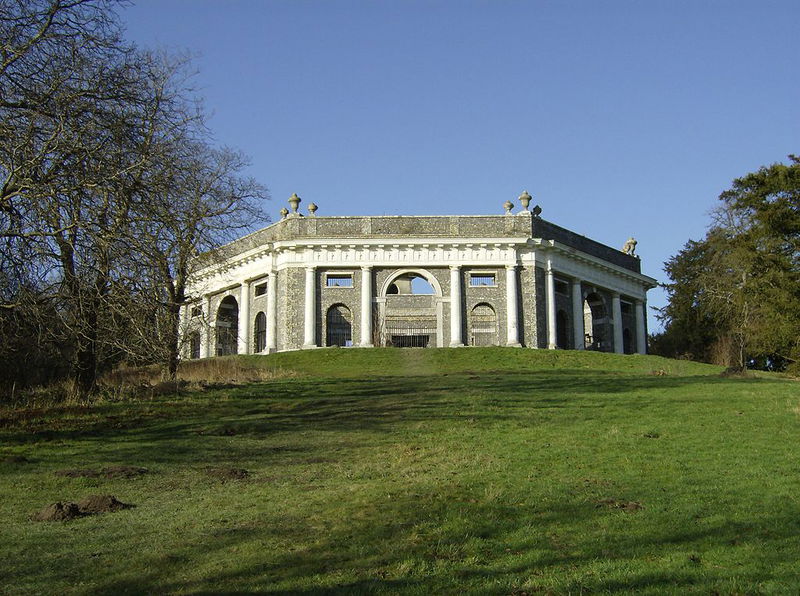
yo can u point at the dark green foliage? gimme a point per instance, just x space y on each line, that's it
736 293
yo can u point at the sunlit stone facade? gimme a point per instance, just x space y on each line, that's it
416 281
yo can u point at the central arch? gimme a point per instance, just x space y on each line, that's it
411 315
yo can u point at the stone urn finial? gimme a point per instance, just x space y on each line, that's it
508 206
284 212
525 199
312 209
294 202
537 211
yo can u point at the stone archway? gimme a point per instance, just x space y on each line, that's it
339 326
227 327
595 324
410 317
483 326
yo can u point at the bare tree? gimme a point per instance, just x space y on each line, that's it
109 185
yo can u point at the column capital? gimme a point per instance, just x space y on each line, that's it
311 267
366 267
511 267
455 267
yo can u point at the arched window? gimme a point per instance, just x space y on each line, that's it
194 345
260 333
339 326
411 283
483 326
227 326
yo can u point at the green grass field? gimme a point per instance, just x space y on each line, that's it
484 471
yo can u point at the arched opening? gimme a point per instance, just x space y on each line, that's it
594 323
627 341
339 326
410 317
227 326
194 345
561 330
483 326
260 333
410 284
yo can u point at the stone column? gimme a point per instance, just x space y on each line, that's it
512 307
578 332
456 337
550 289
208 336
272 313
366 307
310 329
616 310
244 319
641 328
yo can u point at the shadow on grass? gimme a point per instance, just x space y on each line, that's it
412 541
408 546
356 404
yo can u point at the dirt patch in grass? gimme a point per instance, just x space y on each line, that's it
108 472
626 506
101 504
226 474
58 512
15 459
91 505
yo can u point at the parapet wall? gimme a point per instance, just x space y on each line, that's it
522 225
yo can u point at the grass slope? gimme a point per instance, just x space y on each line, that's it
478 471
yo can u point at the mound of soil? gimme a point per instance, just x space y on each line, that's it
101 504
626 506
65 511
226 474
58 512
78 473
123 471
109 472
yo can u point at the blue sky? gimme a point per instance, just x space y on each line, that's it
620 117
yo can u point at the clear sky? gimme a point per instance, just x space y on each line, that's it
621 118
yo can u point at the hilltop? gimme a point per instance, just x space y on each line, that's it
487 470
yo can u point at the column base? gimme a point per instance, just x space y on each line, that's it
309 346
456 345
552 347
366 345
514 345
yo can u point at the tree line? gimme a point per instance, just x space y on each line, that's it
110 186
734 296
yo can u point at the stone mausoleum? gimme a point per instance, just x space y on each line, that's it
516 279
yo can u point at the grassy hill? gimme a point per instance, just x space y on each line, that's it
493 470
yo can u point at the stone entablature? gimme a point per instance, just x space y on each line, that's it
307 282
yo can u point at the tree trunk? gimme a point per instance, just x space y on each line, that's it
173 340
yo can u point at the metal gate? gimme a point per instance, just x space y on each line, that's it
409 333
339 326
